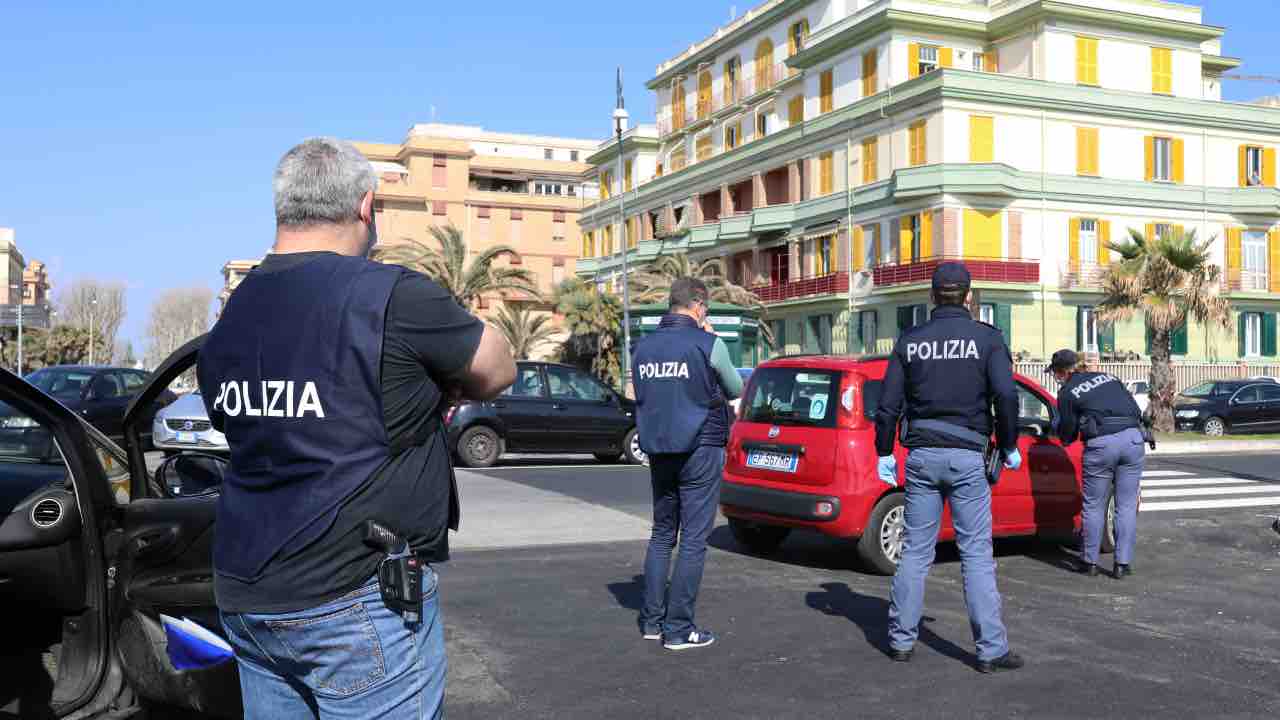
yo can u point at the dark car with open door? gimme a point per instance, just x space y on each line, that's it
98 394
94 549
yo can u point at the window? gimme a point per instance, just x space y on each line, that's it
678 110
779 328
133 381
1253 261
1253 164
1088 241
569 384
573 155
588 244
823 257
1032 407
606 184
798 33
678 160
817 335
732 136
791 396
919 314
826 173
557 275
918 149
732 74
826 91
1248 394
626 176
528 383
1252 334
704 94
1088 331
982 142
702 147
1086 151
1087 61
764 66
987 313
914 228
926 59
871 245
795 110
762 125
1162 71
869 160
548 154
439 171
1161 159
870 73
979 61
867 330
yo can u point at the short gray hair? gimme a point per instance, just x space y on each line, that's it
321 181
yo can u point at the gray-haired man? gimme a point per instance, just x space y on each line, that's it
327 371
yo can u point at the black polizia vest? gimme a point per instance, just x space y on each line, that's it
679 403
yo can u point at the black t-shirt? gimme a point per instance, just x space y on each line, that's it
428 338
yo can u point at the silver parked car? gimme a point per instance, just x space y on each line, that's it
184 425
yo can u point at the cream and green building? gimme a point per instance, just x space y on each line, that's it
833 152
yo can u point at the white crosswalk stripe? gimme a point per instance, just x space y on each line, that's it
1166 490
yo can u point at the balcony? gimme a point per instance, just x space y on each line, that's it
807 287
1080 276
755 83
998 270
1248 281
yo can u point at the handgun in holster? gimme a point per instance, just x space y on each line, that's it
1148 437
399 573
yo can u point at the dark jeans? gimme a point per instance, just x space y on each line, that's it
686 494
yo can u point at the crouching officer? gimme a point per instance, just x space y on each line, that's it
328 372
943 378
684 379
1096 408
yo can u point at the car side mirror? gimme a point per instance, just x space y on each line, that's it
191 474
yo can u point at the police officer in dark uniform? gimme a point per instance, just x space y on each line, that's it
1096 407
684 379
328 374
942 381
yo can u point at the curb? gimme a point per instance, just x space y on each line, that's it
1214 447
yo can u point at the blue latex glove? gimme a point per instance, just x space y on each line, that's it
887 469
1013 459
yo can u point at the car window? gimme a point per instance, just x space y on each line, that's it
1139 388
133 381
61 383
107 386
29 458
871 398
1033 409
1223 389
570 384
793 396
1247 395
528 383
1270 393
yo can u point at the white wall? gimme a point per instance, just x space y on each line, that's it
1016 56
1124 62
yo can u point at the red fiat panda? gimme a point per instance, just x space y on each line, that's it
802 455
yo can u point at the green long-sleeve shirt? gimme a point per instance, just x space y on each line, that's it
730 381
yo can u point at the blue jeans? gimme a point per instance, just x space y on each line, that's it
1117 458
686 494
935 475
349 658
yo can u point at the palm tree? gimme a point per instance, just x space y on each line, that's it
594 321
653 284
524 331
1172 281
448 266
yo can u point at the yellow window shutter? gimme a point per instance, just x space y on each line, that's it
869 73
926 234
856 250
946 57
1244 165
1235 236
1150 142
1269 167
826 168
1073 243
1162 70
904 238
1179 160
1104 240
990 60
795 110
1087 151
1150 232
827 91
913 60
981 139
1273 258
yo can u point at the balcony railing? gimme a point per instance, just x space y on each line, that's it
1082 275
824 285
1248 281
1003 270
757 82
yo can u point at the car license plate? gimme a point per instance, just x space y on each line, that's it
780 462
187 438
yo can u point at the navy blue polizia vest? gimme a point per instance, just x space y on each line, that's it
679 403
294 366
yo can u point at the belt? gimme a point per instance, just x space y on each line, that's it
1113 425
956 431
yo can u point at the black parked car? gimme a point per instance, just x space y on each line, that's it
1218 407
98 394
549 409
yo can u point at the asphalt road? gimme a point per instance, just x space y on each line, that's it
541 596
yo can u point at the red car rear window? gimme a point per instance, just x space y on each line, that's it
792 396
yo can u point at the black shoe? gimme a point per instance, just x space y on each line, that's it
1009 661
900 655
1121 571
1089 569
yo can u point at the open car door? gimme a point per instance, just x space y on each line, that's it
163 562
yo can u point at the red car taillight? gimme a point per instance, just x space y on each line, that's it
850 406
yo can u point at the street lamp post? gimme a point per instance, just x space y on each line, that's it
19 289
93 305
619 123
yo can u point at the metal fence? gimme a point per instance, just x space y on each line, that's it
1185 374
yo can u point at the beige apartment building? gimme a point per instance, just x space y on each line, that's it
32 278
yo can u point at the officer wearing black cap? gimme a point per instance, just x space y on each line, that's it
942 381
1097 408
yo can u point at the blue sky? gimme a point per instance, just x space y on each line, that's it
137 141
